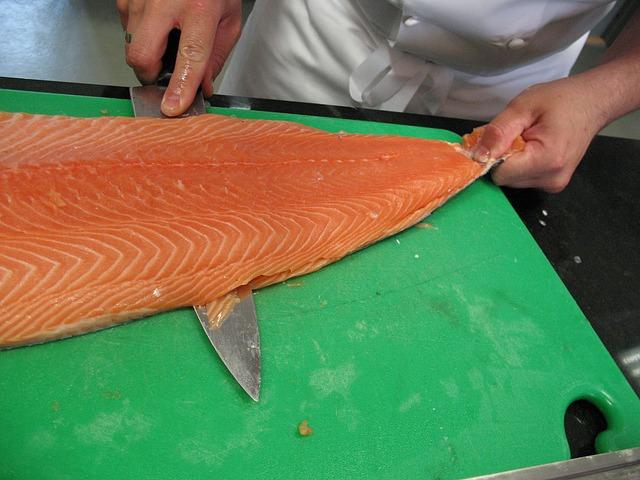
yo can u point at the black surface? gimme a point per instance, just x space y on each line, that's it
591 233
170 54
582 424
64 87
592 238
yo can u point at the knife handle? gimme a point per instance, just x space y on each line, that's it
169 58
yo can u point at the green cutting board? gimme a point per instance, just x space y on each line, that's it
442 352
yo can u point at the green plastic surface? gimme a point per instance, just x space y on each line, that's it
441 352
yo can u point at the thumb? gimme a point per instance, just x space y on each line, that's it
498 135
519 171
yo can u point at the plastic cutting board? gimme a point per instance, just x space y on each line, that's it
442 352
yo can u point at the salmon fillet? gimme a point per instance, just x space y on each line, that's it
110 219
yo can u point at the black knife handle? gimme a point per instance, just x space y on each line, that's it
169 58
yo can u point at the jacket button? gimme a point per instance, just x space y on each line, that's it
516 43
410 21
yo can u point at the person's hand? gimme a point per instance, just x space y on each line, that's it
209 30
557 120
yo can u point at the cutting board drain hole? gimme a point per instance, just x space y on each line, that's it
583 422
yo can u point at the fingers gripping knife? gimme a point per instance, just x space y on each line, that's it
237 339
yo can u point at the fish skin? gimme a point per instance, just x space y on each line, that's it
109 219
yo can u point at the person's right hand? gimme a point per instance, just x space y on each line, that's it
209 30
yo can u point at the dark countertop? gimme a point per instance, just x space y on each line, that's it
590 232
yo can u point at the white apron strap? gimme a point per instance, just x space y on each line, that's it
388 79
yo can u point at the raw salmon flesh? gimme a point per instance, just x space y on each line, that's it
105 220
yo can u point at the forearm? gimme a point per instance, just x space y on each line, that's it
615 83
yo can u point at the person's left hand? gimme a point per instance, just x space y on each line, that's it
557 120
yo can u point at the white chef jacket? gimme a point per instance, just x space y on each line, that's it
458 58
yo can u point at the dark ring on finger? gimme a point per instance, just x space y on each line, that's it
128 37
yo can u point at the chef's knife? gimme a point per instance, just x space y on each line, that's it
237 339
238 343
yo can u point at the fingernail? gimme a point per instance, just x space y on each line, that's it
170 103
481 153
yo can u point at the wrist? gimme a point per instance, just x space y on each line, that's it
613 87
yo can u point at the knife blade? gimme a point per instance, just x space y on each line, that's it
148 98
237 339
237 342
